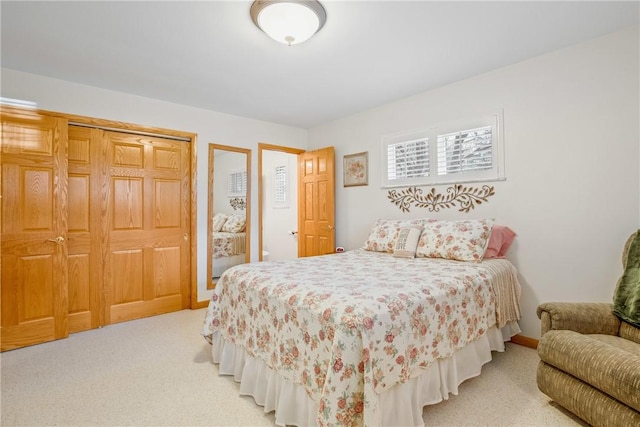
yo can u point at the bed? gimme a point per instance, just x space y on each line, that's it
228 242
362 337
228 250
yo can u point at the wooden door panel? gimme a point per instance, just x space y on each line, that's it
166 271
34 214
128 198
323 208
316 196
165 158
309 201
37 200
79 292
139 309
148 266
126 154
84 230
28 134
166 210
29 302
79 196
127 280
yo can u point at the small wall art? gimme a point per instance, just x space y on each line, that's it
356 169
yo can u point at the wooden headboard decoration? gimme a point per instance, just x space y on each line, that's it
238 203
467 197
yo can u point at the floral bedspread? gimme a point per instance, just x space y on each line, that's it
347 326
228 244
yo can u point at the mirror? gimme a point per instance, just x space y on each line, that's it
229 210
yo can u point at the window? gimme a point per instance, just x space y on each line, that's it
281 186
238 184
464 151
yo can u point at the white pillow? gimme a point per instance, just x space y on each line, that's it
234 224
382 237
458 240
407 242
218 221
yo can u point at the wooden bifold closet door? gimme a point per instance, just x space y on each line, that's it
34 226
95 227
147 226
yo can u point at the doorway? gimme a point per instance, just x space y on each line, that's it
277 202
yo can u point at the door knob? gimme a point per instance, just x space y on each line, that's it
58 240
331 227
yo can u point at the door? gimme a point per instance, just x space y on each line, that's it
316 214
147 205
34 229
85 284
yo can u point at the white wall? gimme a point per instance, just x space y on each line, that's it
211 127
572 194
278 221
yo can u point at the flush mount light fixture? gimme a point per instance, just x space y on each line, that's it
288 21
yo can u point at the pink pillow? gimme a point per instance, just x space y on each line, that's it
499 242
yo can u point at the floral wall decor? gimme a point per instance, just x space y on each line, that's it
356 169
238 203
465 197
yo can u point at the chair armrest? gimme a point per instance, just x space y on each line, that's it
584 318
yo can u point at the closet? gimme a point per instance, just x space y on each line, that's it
96 225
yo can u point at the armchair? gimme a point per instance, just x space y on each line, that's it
590 361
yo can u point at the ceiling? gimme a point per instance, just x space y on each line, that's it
210 55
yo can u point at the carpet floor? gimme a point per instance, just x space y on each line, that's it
157 371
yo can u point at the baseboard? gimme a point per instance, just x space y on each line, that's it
525 341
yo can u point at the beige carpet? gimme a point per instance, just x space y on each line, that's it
157 372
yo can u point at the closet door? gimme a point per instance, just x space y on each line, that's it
34 229
85 233
147 269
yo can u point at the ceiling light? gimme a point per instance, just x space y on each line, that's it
288 21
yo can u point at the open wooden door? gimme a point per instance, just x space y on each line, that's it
34 229
316 206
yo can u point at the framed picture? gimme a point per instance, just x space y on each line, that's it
356 169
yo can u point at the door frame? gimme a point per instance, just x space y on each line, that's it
269 147
191 300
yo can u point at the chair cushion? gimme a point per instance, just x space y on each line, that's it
624 344
606 367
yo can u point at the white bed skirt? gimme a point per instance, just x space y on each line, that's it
401 405
220 265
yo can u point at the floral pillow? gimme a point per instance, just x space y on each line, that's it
456 240
407 241
218 221
384 233
234 224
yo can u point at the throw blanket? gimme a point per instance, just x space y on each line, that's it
626 301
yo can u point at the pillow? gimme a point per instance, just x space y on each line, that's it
499 242
407 241
382 237
218 221
234 224
456 240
